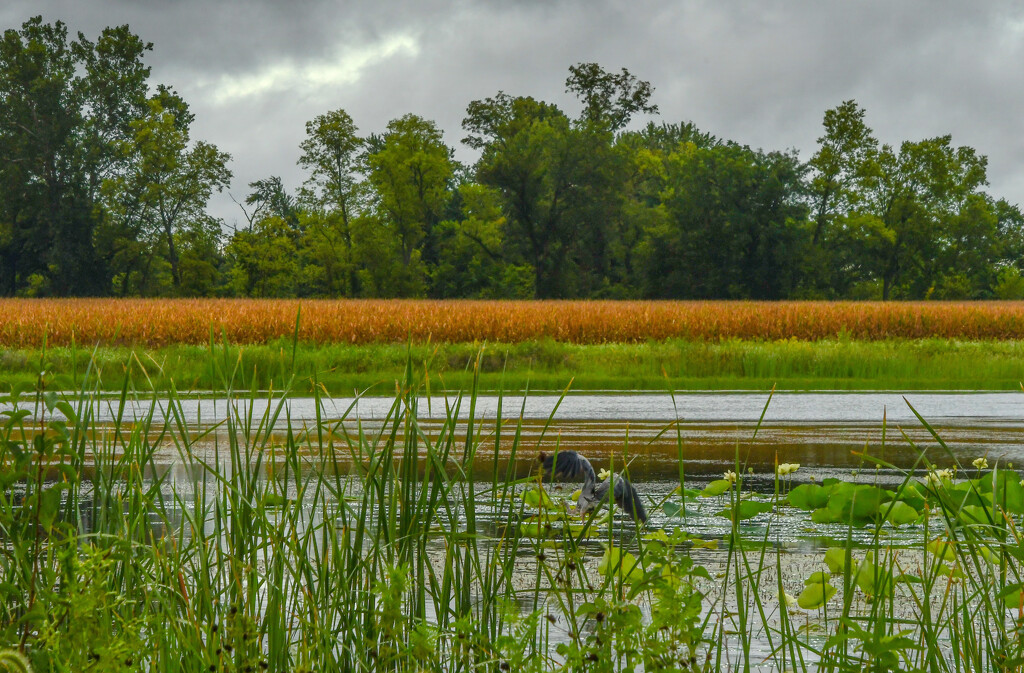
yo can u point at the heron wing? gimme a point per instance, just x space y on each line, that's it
567 465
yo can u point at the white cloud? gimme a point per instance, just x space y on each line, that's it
345 68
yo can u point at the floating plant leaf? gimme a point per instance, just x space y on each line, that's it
972 514
825 515
912 495
717 487
808 497
673 509
819 577
815 595
873 580
746 509
835 559
1009 494
856 503
623 563
275 500
942 549
537 498
900 513
1012 595
535 528
686 492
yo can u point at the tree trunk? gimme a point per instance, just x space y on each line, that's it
172 256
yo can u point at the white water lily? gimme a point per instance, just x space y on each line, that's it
730 476
787 598
980 463
603 474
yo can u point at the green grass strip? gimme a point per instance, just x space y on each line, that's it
929 364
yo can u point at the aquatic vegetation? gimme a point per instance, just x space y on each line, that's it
256 547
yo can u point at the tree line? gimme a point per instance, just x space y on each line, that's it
103 191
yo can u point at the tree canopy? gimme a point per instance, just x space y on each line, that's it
104 191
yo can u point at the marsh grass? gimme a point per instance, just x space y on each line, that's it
836 364
322 548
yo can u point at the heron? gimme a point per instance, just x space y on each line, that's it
572 466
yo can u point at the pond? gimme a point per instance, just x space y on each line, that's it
826 433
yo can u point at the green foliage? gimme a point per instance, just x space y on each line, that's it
13 661
621 565
1009 284
102 191
746 509
816 593
716 487
734 365
808 496
265 260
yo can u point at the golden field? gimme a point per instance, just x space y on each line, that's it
159 322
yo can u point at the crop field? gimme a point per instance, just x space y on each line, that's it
160 322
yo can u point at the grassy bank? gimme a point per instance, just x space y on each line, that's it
927 364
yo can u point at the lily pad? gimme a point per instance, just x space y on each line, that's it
538 498
746 509
808 497
717 487
900 513
615 561
815 595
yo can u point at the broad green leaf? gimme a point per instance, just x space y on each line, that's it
815 595
717 487
825 515
673 509
538 498
900 513
818 577
943 550
615 561
835 559
1012 595
808 497
746 509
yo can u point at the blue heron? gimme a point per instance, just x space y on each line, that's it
572 466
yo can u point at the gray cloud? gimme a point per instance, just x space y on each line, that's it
760 72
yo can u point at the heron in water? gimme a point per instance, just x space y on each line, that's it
572 466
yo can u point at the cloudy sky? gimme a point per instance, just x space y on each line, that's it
761 72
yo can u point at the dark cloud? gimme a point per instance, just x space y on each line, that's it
760 72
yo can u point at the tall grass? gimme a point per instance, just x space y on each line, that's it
727 365
262 545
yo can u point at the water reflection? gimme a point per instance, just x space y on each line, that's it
829 434
786 407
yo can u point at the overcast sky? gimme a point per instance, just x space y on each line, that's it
759 72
